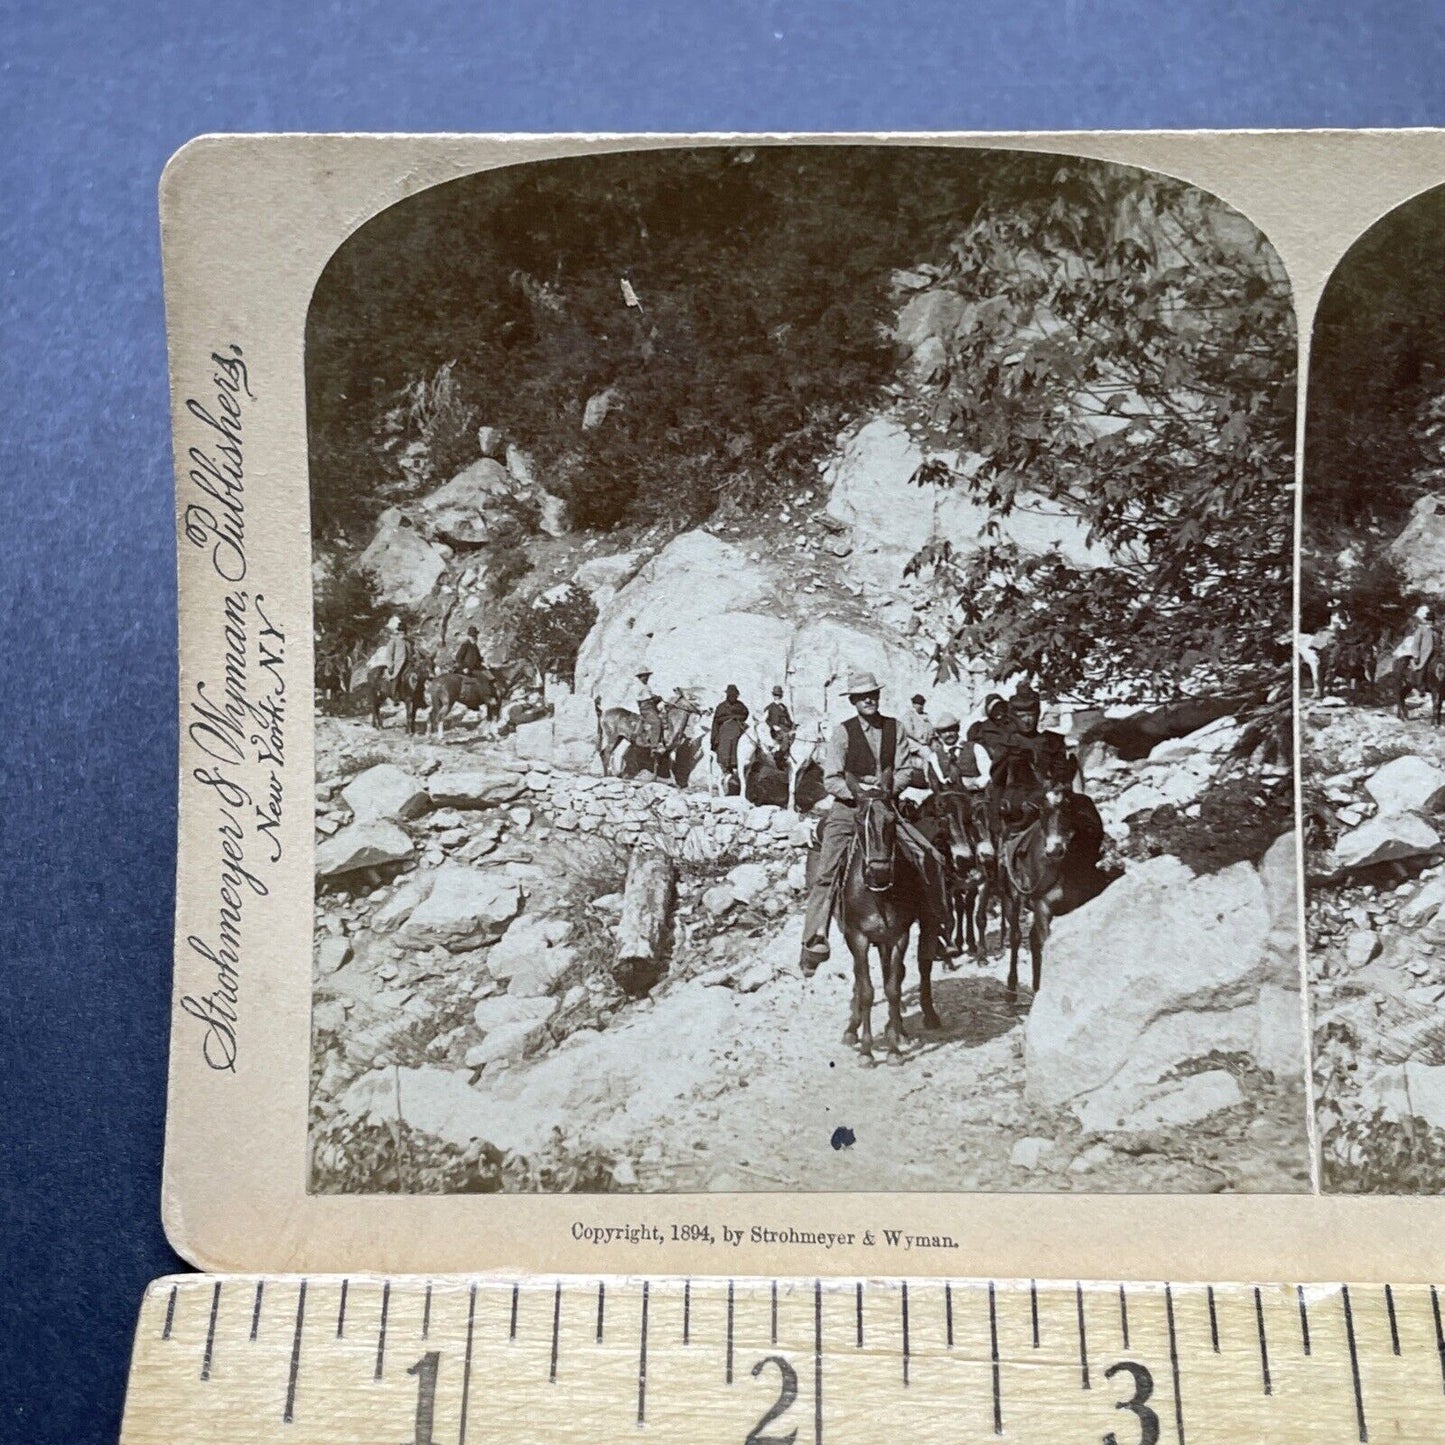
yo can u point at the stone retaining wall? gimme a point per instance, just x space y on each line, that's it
698 828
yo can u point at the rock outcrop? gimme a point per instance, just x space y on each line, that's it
1420 546
1116 1018
406 567
889 517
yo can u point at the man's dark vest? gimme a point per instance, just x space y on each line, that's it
858 760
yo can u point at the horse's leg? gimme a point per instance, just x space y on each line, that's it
1011 905
891 957
985 894
1038 936
925 979
862 1029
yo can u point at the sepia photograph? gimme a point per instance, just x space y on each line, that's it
804 680
1372 680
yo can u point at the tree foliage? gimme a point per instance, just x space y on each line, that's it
763 282
1377 370
1126 351
551 631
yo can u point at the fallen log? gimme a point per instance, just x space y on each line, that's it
647 899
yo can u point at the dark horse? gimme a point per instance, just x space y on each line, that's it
1429 679
1050 866
476 694
882 898
955 820
408 687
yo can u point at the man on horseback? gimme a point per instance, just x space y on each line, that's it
991 732
393 654
781 728
867 749
1419 644
469 656
1026 760
649 711
951 764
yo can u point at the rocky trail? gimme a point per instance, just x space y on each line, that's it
1374 794
468 1000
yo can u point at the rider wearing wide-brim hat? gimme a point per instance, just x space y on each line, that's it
868 750
649 709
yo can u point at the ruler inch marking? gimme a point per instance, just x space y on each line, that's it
341 1311
1354 1363
512 1328
170 1313
993 1355
729 1376
642 1362
1083 1341
601 1299
859 1297
905 1333
1394 1327
381 1330
1124 1316
1263 1343
948 1313
1034 1308
1439 1335
774 1326
211 1333
556 1331
256 1308
817 1362
1304 1318
1174 1359
289 1414
467 1367
1213 1320
426 1313
686 1311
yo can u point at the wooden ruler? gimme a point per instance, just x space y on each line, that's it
410 1361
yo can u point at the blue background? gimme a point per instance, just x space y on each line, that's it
92 101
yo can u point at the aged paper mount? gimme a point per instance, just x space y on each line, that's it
250 224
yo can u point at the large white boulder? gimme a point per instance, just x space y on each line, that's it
404 565
466 907
872 492
1407 785
1117 1010
672 603
1420 546
1384 840
385 791
377 844
465 509
1174 1104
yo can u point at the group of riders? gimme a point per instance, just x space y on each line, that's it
983 788
1347 654
961 797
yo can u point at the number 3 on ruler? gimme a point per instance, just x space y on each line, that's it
425 1370
1143 1389
786 1396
